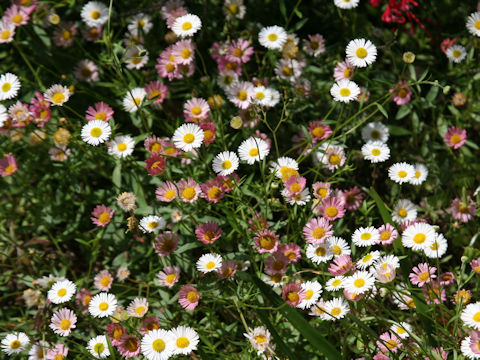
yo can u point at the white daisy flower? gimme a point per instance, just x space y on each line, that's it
272 37
361 52
319 253
186 25
187 137
134 99
253 149
94 14
438 248
387 260
156 345
313 290
339 246
225 163
418 236
209 262
260 95
376 151
466 349
402 329
471 316
62 291
152 223
284 167
137 308
140 21
421 173
272 97
38 350
135 57
359 283
7 31
184 340
57 94
227 78
336 309
9 86
403 211
3 115
102 305
456 53
346 4
121 146
259 338
14 343
365 236
473 23
96 132
345 91
401 172
301 198
375 131
368 260
335 283
98 347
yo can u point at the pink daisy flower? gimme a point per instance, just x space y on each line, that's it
20 114
239 51
209 132
82 299
138 307
153 145
317 230
319 131
293 294
60 351
422 274
341 265
227 270
196 110
17 15
353 296
388 234
276 263
434 295
332 208
183 52
291 251
353 198
229 182
321 190
165 243
240 94
156 90
463 211
129 346
103 280
63 321
447 278
343 71
149 323
402 93
40 109
8 165
266 241
315 45
155 165
364 95
92 33
474 343
225 65
475 264
333 158
295 184
166 65
169 276
380 356
100 111
188 297
390 343
166 192
208 233
188 190
455 137
115 333
63 36
102 215
168 148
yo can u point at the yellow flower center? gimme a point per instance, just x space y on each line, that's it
295 187
17 18
287 71
260 95
434 246
10 169
6 86
140 310
424 276
477 25
334 159
318 132
336 282
267 242
15 344
365 236
402 174
170 278
384 236
335 311
66 35
62 292
58 357
456 53
58 97
320 251
419 238
308 294
237 52
192 296
209 235
455 139
131 344
347 73
391 343
155 93
152 224
476 317
196 110
117 333
402 93
242 95
169 67
98 348
361 53
277 265
260 339
186 25
402 212
189 193
105 281
182 342
376 152
253 152
293 296
155 147
65 324
169 194
272 37
214 192
122 147
189 138
359 283
337 250
367 258
158 345
227 164
210 265
417 174
5 34
103 306
344 92
95 14
318 233
331 211
185 53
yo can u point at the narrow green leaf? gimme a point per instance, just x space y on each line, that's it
382 110
402 112
117 174
280 345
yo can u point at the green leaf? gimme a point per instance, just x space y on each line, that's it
432 93
117 174
280 344
402 112
398 130
314 337
382 110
